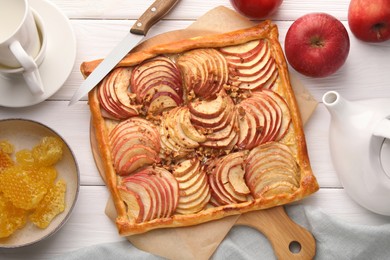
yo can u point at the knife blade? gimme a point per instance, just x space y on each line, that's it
152 15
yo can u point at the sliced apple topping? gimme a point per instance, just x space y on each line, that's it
251 65
217 119
286 117
212 117
271 169
134 205
178 136
149 194
134 143
247 50
173 185
204 71
226 178
264 117
193 186
225 138
210 108
114 95
158 85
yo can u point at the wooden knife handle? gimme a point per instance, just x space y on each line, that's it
152 15
288 239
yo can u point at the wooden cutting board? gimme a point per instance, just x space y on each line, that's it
288 239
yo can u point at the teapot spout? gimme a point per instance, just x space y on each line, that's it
339 107
383 129
331 99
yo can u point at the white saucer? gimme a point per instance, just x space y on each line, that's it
56 66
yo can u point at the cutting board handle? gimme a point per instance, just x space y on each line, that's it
288 239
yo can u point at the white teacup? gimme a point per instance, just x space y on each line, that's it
22 42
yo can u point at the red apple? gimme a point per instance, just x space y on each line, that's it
317 45
369 20
256 9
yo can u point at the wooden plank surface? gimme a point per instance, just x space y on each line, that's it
190 10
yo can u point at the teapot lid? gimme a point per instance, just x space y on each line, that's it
385 156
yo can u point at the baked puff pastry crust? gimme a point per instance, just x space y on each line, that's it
200 129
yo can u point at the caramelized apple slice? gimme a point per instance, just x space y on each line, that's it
134 205
271 169
242 51
187 126
205 72
286 120
236 179
186 169
153 193
268 113
173 186
175 141
145 199
226 176
158 85
193 187
134 143
251 65
176 131
114 95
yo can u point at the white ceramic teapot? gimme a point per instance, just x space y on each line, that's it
360 148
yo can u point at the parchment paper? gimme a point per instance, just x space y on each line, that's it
200 242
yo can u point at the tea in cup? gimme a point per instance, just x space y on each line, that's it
22 42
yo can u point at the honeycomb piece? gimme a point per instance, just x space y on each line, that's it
51 205
20 188
24 157
6 147
46 175
11 218
48 152
5 159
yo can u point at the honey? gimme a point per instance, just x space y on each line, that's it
11 217
5 150
28 187
51 205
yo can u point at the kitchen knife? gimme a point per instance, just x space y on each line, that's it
152 15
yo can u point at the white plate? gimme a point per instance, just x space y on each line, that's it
25 134
55 68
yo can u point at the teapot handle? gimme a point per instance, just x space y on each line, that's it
383 129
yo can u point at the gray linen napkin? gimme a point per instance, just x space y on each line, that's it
335 239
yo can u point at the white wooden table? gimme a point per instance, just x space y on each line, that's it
99 25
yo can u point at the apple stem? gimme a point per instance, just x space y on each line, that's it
316 41
378 29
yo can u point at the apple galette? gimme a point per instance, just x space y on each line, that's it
199 129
